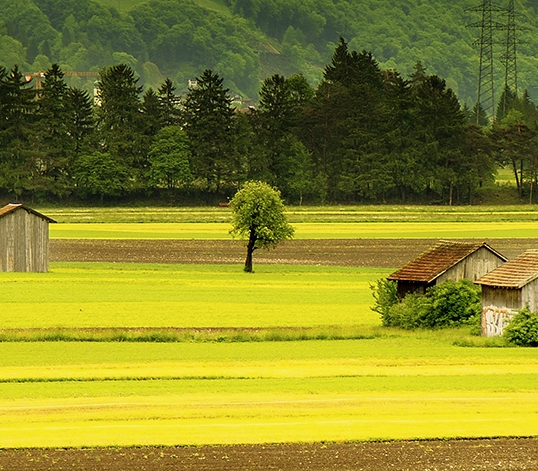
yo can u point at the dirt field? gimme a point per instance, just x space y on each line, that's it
453 455
461 455
343 252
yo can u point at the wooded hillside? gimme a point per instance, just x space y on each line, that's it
246 41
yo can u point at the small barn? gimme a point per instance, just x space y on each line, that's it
507 289
446 260
24 239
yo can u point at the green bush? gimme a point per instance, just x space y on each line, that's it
385 294
523 329
452 304
447 305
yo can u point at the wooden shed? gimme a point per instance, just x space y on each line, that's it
508 289
446 260
24 239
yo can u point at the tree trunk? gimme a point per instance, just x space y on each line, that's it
250 250
518 184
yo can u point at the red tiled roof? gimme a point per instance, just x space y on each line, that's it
514 274
438 259
9 208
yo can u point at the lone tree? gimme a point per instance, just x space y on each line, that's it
258 215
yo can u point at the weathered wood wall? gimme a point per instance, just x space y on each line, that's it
472 267
24 239
529 296
501 297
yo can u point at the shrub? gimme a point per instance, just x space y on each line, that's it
447 305
523 329
385 294
452 304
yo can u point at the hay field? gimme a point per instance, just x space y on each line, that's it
300 380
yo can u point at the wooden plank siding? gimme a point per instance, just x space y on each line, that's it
472 267
529 296
506 298
24 238
507 289
446 260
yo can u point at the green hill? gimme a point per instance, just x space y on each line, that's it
247 40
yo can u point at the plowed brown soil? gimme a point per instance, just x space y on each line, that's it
339 252
449 455
454 455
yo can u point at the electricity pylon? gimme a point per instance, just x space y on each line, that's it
509 57
486 91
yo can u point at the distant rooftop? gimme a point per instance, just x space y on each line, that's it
514 274
11 207
437 260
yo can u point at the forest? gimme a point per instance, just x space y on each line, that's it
246 41
363 135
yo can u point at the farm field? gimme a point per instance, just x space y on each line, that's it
205 356
366 230
310 223
296 214
58 394
379 384
151 295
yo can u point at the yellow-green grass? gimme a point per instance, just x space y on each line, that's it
365 230
78 295
400 387
317 214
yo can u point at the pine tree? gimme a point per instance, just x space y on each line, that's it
170 104
81 122
55 142
210 126
119 121
478 115
18 159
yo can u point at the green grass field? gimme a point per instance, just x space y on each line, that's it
227 377
309 222
297 214
130 295
101 394
365 230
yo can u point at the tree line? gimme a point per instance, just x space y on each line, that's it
364 134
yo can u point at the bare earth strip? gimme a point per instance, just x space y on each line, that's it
341 252
455 455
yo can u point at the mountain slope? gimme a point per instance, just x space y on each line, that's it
246 40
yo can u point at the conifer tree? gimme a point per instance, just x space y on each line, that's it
210 126
119 121
53 132
18 159
170 104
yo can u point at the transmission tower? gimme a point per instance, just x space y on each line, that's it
486 91
509 56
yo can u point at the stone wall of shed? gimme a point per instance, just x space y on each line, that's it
24 245
472 267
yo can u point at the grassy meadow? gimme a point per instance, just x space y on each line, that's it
391 387
102 354
78 295
310 222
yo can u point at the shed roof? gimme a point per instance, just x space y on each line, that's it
513 274
437 260
11 207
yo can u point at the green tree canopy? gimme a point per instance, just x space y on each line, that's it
258 216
